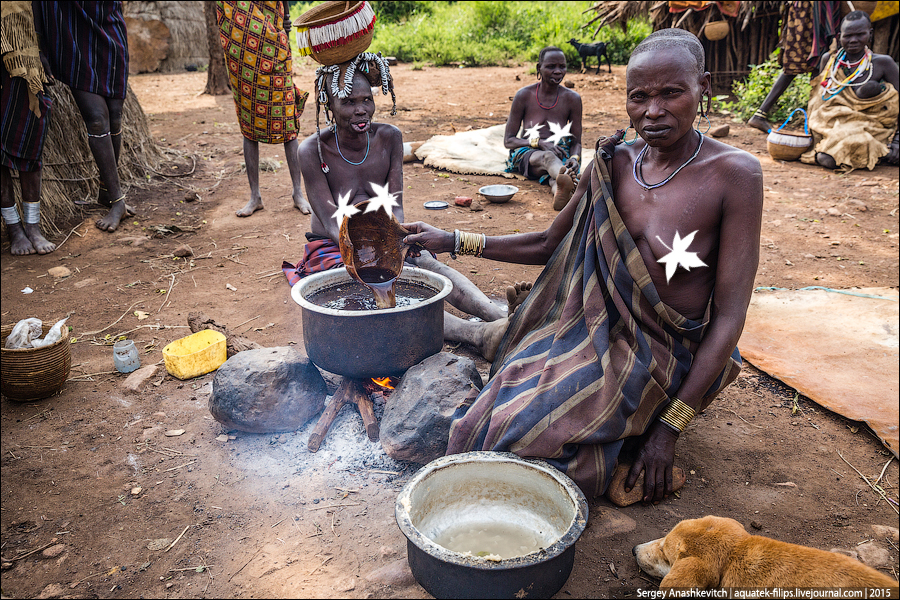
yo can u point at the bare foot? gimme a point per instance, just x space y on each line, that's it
760 123
492 334
111 221
19 244
565 187
516 294
301 204
103 200
253 205
41 244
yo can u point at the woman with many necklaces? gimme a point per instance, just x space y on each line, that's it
853 108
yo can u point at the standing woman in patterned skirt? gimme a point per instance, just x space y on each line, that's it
87 48
254 37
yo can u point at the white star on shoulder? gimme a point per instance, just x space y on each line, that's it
345 209
381 199
533 131
559 132
678 255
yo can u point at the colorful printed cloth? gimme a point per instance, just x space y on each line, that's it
590 357
518 160
806 33
87 46
258 55
320 254
855 132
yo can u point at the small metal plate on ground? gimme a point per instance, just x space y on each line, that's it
436 205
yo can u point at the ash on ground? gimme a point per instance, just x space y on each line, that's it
346 451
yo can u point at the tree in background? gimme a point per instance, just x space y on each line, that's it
216 76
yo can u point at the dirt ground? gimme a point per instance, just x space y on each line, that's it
258 510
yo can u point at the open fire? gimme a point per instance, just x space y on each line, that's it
386 383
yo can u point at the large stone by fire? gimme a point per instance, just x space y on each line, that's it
267 390
416 421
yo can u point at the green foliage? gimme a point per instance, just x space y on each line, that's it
751 91
497 33
397 11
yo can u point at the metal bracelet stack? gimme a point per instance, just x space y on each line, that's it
471 244
677 415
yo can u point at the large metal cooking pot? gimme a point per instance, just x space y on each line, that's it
372 343
463 495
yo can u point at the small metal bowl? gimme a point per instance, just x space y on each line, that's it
498 194
523 500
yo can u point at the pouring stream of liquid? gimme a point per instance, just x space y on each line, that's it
381 282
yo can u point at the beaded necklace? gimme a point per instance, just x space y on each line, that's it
338 142
833 84
636 169
536 97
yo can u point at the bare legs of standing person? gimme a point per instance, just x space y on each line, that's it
103 120
27 238
251 160
760 117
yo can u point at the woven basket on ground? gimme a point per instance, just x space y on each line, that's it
335 32
716 30
34 373
786 145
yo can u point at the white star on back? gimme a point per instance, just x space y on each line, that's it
345 209
678 255
533 131
381 199
559 132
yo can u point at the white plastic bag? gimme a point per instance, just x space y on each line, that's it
24 333
53 336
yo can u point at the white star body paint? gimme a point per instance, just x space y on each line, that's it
533 131
345 209
559 133
679 255
381 199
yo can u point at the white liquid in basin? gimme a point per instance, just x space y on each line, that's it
504 540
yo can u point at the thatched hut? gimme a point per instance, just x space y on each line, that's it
749 39
165 36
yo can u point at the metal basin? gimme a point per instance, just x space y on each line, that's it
372 343
499 193
478 498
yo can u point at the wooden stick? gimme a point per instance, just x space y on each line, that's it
361 398
171 285
875 489
114 322
248 320
180 466
333 506
178 538
21 556
322 565
341 397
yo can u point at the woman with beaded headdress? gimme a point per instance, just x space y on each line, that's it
853 106
354 159
632 326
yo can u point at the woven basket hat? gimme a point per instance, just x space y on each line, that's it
335 32
785 145
715 30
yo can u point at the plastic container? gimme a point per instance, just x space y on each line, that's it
195 355
125 356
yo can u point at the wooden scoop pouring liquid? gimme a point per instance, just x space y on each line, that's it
373 251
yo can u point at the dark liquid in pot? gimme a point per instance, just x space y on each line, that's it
355 296
381 281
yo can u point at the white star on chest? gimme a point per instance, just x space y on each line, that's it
381 199
679 255
345 209
559 133
533 131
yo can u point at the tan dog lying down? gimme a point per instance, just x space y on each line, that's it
716 552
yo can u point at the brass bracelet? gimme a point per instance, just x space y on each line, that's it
471 244
677 415
533 142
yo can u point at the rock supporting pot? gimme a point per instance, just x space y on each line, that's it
481 491
372 343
